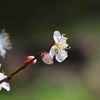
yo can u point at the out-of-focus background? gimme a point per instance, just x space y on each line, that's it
31 24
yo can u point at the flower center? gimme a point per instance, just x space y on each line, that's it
61 45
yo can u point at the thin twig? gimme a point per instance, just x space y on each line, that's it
24 66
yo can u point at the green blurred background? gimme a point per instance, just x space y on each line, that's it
31 24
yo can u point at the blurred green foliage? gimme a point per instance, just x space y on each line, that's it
72 91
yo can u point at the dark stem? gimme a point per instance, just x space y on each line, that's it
24 66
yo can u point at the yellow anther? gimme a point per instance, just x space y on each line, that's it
66 37
3 30
3 72
63 34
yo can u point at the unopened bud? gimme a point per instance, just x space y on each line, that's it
46 58
29 58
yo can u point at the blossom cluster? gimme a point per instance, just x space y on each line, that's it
4 45
57 50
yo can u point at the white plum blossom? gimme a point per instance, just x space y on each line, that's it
46 58
4 85
58 49
4 43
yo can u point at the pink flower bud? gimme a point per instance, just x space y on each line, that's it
29 58
46 58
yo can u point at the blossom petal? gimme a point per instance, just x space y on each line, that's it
4 40
63 39
53 51
57 36
4 43
5 85
2 52
2 76
61 56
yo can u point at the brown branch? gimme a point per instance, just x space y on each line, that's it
24 66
